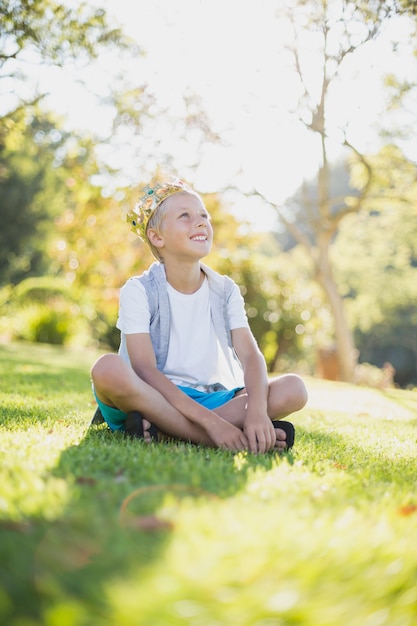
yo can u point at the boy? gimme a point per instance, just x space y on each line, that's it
188 364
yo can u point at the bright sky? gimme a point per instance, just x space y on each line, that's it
228 53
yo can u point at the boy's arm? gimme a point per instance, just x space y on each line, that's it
143 360
258 426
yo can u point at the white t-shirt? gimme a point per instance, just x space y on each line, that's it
194 354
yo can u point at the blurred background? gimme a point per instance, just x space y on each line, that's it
296 121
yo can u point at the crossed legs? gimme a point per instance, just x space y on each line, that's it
116 384
287 394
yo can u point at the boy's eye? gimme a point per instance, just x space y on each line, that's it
205 216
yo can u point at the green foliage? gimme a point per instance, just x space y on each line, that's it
55 32
406 6
375 261
103 327
28 193
393 342
383 243
96 529
40 323
41 289
281 303
33 147
42 310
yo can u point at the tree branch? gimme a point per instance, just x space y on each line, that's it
298 235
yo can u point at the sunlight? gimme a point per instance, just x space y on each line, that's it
232 56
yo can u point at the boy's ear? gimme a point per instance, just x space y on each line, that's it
155 238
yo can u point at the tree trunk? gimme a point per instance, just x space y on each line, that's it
345 347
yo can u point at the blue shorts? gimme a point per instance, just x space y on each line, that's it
211 400
115 418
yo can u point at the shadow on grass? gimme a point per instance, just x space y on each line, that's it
121 512
123 499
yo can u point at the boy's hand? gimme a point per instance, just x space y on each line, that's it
227 436
260 432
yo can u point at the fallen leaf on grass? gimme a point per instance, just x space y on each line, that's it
85 480
129 519
63 549
407 510
18 527
149 523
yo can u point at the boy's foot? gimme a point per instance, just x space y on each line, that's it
289 430
136 427
97 418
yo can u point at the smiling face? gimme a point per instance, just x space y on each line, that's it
184 230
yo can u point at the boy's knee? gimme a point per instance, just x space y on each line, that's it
290 392
297 391
300 391
104 368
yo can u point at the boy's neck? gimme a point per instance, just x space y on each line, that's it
184 278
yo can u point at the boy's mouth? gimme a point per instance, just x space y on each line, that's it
199 238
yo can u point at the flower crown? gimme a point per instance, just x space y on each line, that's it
152 197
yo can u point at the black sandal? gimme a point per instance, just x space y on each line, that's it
289 430
134 427
97 418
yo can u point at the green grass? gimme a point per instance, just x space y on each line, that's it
97 530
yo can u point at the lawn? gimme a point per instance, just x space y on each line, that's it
97 530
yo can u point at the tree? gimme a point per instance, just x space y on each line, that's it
406 6
280 305
46 32
380 302
336 31
32 142
29 192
